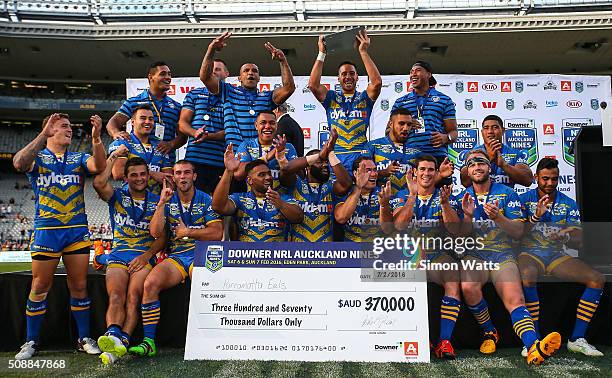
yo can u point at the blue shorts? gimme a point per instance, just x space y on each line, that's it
122 259
52 243
183 262
501 258
547 260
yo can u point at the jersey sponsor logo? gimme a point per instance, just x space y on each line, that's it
425 222
260 224
339 113
566 86
122 221
47 180
312 208
362 220
467 138
521 134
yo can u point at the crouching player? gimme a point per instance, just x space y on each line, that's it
554 220
131 209
188 215
492 212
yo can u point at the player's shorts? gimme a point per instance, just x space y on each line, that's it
53 243
547 260
436 256
501 258
122 259
183 262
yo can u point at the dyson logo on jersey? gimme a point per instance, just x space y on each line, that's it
121 221
362 220
53 178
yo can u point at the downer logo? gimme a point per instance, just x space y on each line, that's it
489 86
386 347
574 104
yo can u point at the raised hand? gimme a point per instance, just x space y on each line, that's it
446 168
181 231
122 150
492 210
232 163
277 54
329 145
468 205
274 198
122 135
363 41
200 135
391 169
321 44
220 42
166 192
279 143
48 130
542 206
445 193
411 181
384 195
362 177
493 147
96 126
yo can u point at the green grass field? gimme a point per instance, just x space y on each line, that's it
169 363
14 267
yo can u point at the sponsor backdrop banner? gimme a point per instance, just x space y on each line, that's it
304 302
542 113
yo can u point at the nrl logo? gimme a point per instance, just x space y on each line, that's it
399 87
214 258
594 104
459 86
579 86
521 134
469 104
510 104
518 86
384 104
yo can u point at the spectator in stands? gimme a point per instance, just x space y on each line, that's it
9 209
288 127
3 211
245 100
166 111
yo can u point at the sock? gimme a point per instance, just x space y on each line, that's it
481 313
523 326
532 302
102 259
150 318
35 313
586 309
125 338
114 330
80 311
449 311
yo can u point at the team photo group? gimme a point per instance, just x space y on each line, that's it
246 177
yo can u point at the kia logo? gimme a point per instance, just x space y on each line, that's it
574 104
489 86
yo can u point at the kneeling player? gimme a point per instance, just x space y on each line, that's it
555 221
492 211
189 215
131 209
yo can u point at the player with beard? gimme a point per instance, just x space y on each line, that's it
165 111
492 211
142 145
60 223
188 214
348 111
426 211
554 221
393 157
359 211
314 191
245 100
263 214
508 165
272 149
435 113
131 209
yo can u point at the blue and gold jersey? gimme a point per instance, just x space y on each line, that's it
316 200
364 223
494 238
131 220
155 159
383 151
350 116
562 213
57 181
251 150
512 156
258 219
196 214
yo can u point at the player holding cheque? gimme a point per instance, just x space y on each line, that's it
188 215
554 221
492 211
131 209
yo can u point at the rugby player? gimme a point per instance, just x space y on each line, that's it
165 111
508 165
348 110
425 210
263 214
359 211
246 100
267 146
140 144
130 261
314 191
554 221
188 215
201 120
57 177
492 212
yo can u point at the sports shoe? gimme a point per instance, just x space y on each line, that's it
489 344
445 350
108 358
524 352
145 348
88 346
112 344
541 350
27 350
582 346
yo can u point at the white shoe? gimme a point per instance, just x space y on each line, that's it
112 344
108 358
582 346
524 352
27 351
88 346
